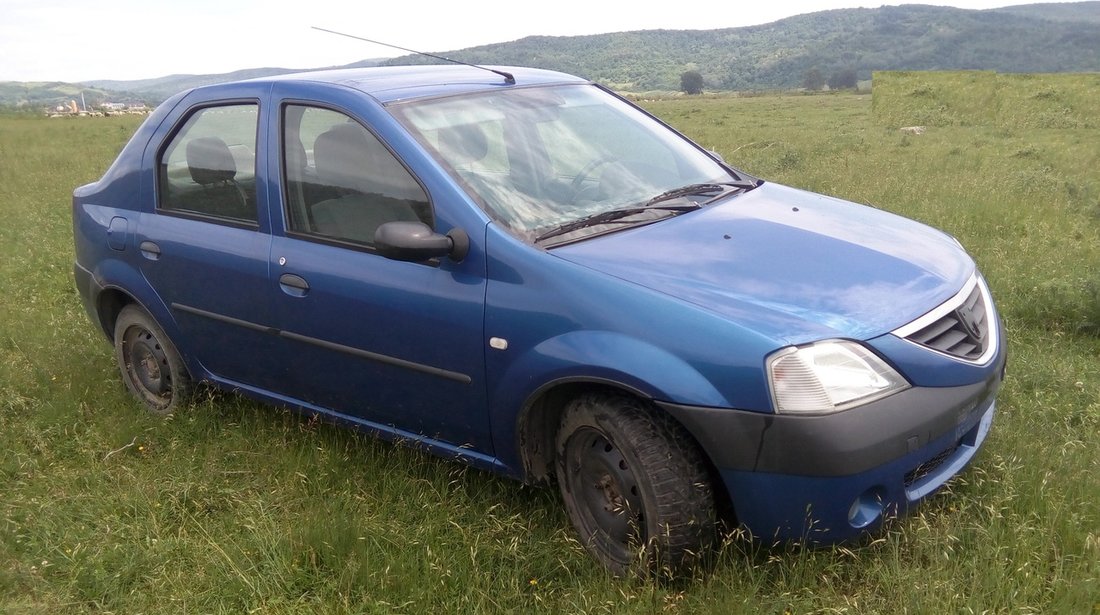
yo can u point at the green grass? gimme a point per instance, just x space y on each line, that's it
986 98
234 507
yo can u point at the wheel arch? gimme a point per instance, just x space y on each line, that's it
539 382
126 287
538 422
115 283
540 418
109 305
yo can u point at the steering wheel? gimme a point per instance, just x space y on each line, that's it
587 170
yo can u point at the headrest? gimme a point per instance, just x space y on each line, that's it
341 155
210 161
463 143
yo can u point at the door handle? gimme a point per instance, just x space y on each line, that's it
293 285
149 250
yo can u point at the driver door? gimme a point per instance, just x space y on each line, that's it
397 344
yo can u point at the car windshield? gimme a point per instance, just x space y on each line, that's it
559 163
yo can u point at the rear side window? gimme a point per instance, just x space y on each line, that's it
342 183
209 167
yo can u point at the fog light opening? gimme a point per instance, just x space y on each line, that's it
867 508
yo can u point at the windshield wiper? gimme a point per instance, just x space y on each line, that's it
714 190
610 217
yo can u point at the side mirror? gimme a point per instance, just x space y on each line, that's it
416 241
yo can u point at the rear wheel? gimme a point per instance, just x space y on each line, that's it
151 367
635 485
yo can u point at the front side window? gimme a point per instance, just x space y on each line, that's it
342 183
209 167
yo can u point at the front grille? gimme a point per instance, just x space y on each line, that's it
928 467
963 332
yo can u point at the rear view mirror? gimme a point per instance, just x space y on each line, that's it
416 241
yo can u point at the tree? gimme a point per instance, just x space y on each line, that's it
813 80
691 82
844 79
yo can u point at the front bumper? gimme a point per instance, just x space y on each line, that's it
831 478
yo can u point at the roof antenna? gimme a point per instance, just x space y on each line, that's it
508 77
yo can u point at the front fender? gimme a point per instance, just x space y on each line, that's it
617 358
598 357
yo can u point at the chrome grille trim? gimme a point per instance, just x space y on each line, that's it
964 327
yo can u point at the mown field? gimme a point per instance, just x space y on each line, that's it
231 507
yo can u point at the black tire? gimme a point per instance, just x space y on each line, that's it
636 486
150 364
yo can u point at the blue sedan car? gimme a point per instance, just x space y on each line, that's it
519 269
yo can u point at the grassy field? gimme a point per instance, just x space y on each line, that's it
987 98
231 507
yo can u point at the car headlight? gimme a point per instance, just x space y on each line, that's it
829 376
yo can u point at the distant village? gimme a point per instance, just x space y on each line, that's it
72 109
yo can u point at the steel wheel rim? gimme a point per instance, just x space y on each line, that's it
606 492
147 366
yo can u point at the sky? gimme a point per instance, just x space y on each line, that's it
87 40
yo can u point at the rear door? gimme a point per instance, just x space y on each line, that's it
205 245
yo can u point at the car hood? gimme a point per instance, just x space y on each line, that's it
789 264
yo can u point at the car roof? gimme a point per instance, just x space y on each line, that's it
395 83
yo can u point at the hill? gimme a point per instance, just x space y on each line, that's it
778 55
1030 38
35 95
38 95
163 87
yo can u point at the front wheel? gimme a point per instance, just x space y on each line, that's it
151 367
635 485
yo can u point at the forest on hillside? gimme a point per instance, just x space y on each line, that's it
779 55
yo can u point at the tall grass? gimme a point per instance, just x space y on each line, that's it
986 98
233 507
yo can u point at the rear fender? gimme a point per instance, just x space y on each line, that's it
118 276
